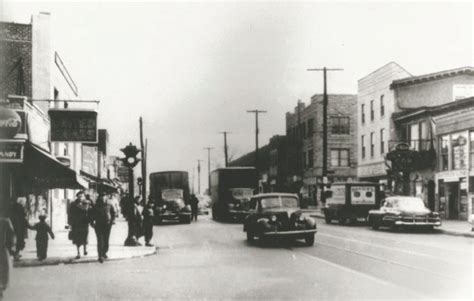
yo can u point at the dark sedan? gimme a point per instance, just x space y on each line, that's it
399 211
275 215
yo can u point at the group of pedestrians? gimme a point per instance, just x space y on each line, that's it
140 220
100 215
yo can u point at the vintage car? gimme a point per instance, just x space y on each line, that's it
399 211
273 215
172 207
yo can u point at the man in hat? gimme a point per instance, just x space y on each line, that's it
103 217
19 221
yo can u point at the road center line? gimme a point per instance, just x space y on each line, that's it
369 277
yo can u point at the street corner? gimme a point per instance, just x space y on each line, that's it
115 253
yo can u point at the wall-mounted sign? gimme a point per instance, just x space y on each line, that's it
10 123
11 151
89 159
73 125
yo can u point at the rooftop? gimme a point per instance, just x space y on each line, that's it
431 76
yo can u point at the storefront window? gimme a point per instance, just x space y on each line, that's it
444 151
471 149
459 150
414 136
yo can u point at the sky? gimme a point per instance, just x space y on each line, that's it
192 70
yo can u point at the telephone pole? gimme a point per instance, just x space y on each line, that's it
143 146
325 126
256 112
199 176
225 147
209 167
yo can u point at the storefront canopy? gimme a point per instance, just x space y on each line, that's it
45 171
99 184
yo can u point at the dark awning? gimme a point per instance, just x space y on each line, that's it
99 184
45 171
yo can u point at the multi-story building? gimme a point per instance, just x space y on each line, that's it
34 69
375 105
304 129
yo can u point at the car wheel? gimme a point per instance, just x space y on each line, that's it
309 240
375 224
327 218
250 236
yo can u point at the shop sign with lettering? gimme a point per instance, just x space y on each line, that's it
73 125
11 151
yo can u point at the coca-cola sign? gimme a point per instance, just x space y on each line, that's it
10 123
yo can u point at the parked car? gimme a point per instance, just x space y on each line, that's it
275 215
204 204
398 211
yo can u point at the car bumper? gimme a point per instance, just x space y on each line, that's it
290 233
418 223
173 216
238 214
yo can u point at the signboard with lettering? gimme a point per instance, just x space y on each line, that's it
89 159
73 125
11 151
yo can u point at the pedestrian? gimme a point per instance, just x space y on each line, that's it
43 231
103 217
148 217
19 221
79 219
194 207
7 241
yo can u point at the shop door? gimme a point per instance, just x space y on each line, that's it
453 200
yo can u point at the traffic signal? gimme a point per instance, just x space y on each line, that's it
131 152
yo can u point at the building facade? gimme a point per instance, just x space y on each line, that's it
304 129
375 104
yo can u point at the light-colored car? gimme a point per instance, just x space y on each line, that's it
399 211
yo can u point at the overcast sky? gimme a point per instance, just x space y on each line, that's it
192 70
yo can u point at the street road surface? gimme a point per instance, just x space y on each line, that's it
212 260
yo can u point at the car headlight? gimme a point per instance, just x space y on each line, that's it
164 207
301 218
231 205
273 218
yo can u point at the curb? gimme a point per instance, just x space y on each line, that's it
442 231
71 260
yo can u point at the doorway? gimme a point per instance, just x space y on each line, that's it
453 200
431 195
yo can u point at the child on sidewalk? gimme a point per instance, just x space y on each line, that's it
42 230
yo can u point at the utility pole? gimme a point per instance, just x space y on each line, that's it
209 167
325 126
144 154
192 181
256 112
199 176
225 147
299 143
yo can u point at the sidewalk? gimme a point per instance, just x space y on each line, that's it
62 251
449 227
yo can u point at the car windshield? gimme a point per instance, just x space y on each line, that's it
279 202
409 203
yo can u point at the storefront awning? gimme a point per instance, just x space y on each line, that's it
45 171
99 184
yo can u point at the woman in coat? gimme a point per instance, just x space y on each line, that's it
79 219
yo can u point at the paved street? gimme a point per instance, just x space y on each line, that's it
212 260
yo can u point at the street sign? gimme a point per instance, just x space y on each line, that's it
73 125
11 151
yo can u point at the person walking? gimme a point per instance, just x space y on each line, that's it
42 231
103 217
19 221
79 222
194 207
7 241
148 216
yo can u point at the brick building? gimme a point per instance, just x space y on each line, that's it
304 131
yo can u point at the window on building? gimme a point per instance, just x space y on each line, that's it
372 113
362 112
303 159
471 149
66 149
444 151
382 141
339 157
310 158
310 126
372 146
459 150
303 129
382 106
340 125
362 144
414 135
